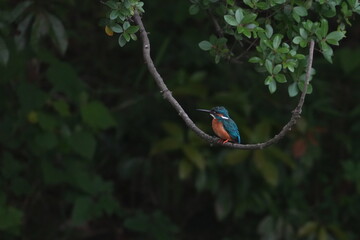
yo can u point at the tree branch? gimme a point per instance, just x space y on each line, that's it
213 140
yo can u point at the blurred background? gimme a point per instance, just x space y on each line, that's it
90 150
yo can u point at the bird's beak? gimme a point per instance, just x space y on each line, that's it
204 110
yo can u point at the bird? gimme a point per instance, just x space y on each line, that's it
223 126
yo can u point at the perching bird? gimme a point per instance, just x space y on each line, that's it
223 126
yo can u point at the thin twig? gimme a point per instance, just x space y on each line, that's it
213 140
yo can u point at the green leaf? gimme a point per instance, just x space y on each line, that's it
231 20
297 39
255 60
193 9
303 33
97 115
132 29
327 51
267 168
126 25
269 66
301 11
117 28
60 37
272 85
205 45
335 36
324 27
4 52
64 79
83 143
111 4
114 14
293 89
269 31
239 15
280 78
126 36
19 10
133 36
301 85
122 41
277 40
277 69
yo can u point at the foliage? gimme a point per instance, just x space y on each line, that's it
279 30
90 150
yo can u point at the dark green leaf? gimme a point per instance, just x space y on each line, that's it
301 11
20 9
64 79
272 85
293 90
114 14
82 211
335 36
97 115
255 60
277 41
277 69
121 40
11 219
132 29
60 36
111 4
46 141
269 66
83 143
324 27
4 52
133 37
297 39
280 78
193 9
117 28
30 97
205 45
303 33
269 30
126 25
126 36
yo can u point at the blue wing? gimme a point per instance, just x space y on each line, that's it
232 129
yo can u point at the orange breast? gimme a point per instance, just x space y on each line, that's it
219 130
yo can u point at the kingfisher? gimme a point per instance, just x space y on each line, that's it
223 126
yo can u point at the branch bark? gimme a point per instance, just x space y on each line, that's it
296 113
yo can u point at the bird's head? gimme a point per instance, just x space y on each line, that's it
217 112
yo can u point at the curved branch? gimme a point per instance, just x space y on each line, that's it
213 140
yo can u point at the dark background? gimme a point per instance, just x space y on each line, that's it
89 149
